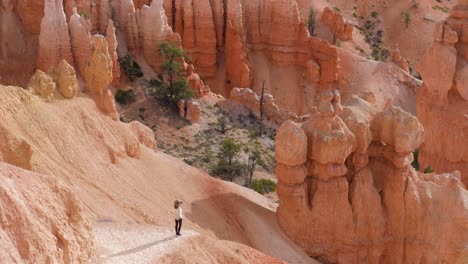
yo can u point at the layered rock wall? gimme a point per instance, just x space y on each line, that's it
237 27
443 102
348 193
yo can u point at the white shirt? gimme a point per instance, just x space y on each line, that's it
178 213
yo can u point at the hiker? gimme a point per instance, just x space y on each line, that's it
178 216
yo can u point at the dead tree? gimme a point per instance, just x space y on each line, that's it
261 109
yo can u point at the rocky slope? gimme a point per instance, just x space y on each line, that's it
53 230
348 193
443 102
352 164
116 164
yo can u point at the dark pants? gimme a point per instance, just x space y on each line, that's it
178 226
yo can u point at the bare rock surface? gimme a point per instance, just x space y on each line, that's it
360 201
38 232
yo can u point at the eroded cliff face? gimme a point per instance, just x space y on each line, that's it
229 40
348 193
443 102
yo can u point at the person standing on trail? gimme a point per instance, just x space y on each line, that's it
178 216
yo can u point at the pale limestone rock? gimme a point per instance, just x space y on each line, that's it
42 85
65 78
99 76
112 46
99 68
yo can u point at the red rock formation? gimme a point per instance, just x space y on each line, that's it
127 23
17 51
249 99
154 29
399 60
139 3
80 42
189 110
195 83
104 15
31 13
52 230
276 29
99 76
442 103
54 40
348 193
238 66
96 12
198 35
336 22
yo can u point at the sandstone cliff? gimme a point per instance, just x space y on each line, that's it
241 31
348 193
443 102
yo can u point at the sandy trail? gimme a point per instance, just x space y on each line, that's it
135 243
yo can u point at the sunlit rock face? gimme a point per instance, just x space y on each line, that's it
348 193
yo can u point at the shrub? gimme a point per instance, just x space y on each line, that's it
226 171
374 14
84 15
263 186
407 18
125 97
131 69
227 166
428 169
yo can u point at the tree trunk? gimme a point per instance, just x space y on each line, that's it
261 109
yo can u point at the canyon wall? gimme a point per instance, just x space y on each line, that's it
348 193
443 102
226 38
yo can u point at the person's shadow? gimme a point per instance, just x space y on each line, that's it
140 248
